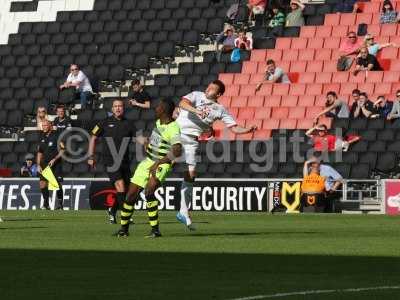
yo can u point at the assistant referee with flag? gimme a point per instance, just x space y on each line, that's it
48 159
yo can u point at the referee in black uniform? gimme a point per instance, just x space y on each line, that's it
117 132
50 151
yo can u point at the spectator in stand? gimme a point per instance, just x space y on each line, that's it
312 188
362 108
78 80
61 122
366 62
335 108
346 6
225 42
137 95
277 18
243 42
347 51
374 48
295 17
29 169
41 117
388 15
322 141
382 107
273 74
395 112
256 7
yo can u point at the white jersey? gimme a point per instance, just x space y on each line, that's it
84 85
192 124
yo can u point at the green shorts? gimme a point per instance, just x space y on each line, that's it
142 173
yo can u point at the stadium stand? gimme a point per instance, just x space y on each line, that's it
113 39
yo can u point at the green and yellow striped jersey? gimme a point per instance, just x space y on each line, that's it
162 138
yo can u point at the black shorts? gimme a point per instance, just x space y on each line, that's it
57 171
124 173
312 203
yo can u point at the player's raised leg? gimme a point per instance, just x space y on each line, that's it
127 209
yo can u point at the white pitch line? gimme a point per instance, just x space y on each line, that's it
351 290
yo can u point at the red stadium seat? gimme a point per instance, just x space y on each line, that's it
359 78
323 54
340 77
271 124
274 54
280 112
307 55
262 134
306 100
330 66
297 112
388 29
314 66
290 54
347 88
372 7
391 76
281 89
347 19
389 53
335 87
261 67
315 43
299 43
323 77
307 31
288 124
364 18
385 64
298 66
266 90
395 87
395 65
241 79
383 88
375 30
332 19
335 54
258 55
289 101
239 101
307 78
374 77
293 77
340 31
232 90
226 78
314 89
256 78
321 100
256 101
249 67
297 89
283 43
225 101
366 88
312 112
305 123
272 101
234 111
246 113
331 43
262 113
376 18
323 31
248 90
254 122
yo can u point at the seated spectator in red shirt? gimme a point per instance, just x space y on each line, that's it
243 42
362 108
366 62
323 141
347 51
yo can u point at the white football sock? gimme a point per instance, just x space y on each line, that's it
186 199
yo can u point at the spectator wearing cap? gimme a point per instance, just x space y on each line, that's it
362 108
295 17
388 15
347 51
137 96
80 82
41 117
366 62
334 108
61 122
373 47
382 107
29 169
243 42
395 112
273 74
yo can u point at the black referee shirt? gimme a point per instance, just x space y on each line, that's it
117 130
49 147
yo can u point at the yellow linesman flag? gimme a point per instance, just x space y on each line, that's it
47 173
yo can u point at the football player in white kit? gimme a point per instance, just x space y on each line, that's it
198 111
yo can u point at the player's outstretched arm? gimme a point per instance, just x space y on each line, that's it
187 105
242 130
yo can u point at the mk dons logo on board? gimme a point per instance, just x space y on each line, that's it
46 12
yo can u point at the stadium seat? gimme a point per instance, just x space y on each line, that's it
307 31
280 112
256 101
323 77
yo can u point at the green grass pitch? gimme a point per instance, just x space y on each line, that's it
72 255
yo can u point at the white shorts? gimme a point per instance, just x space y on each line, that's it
190 145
